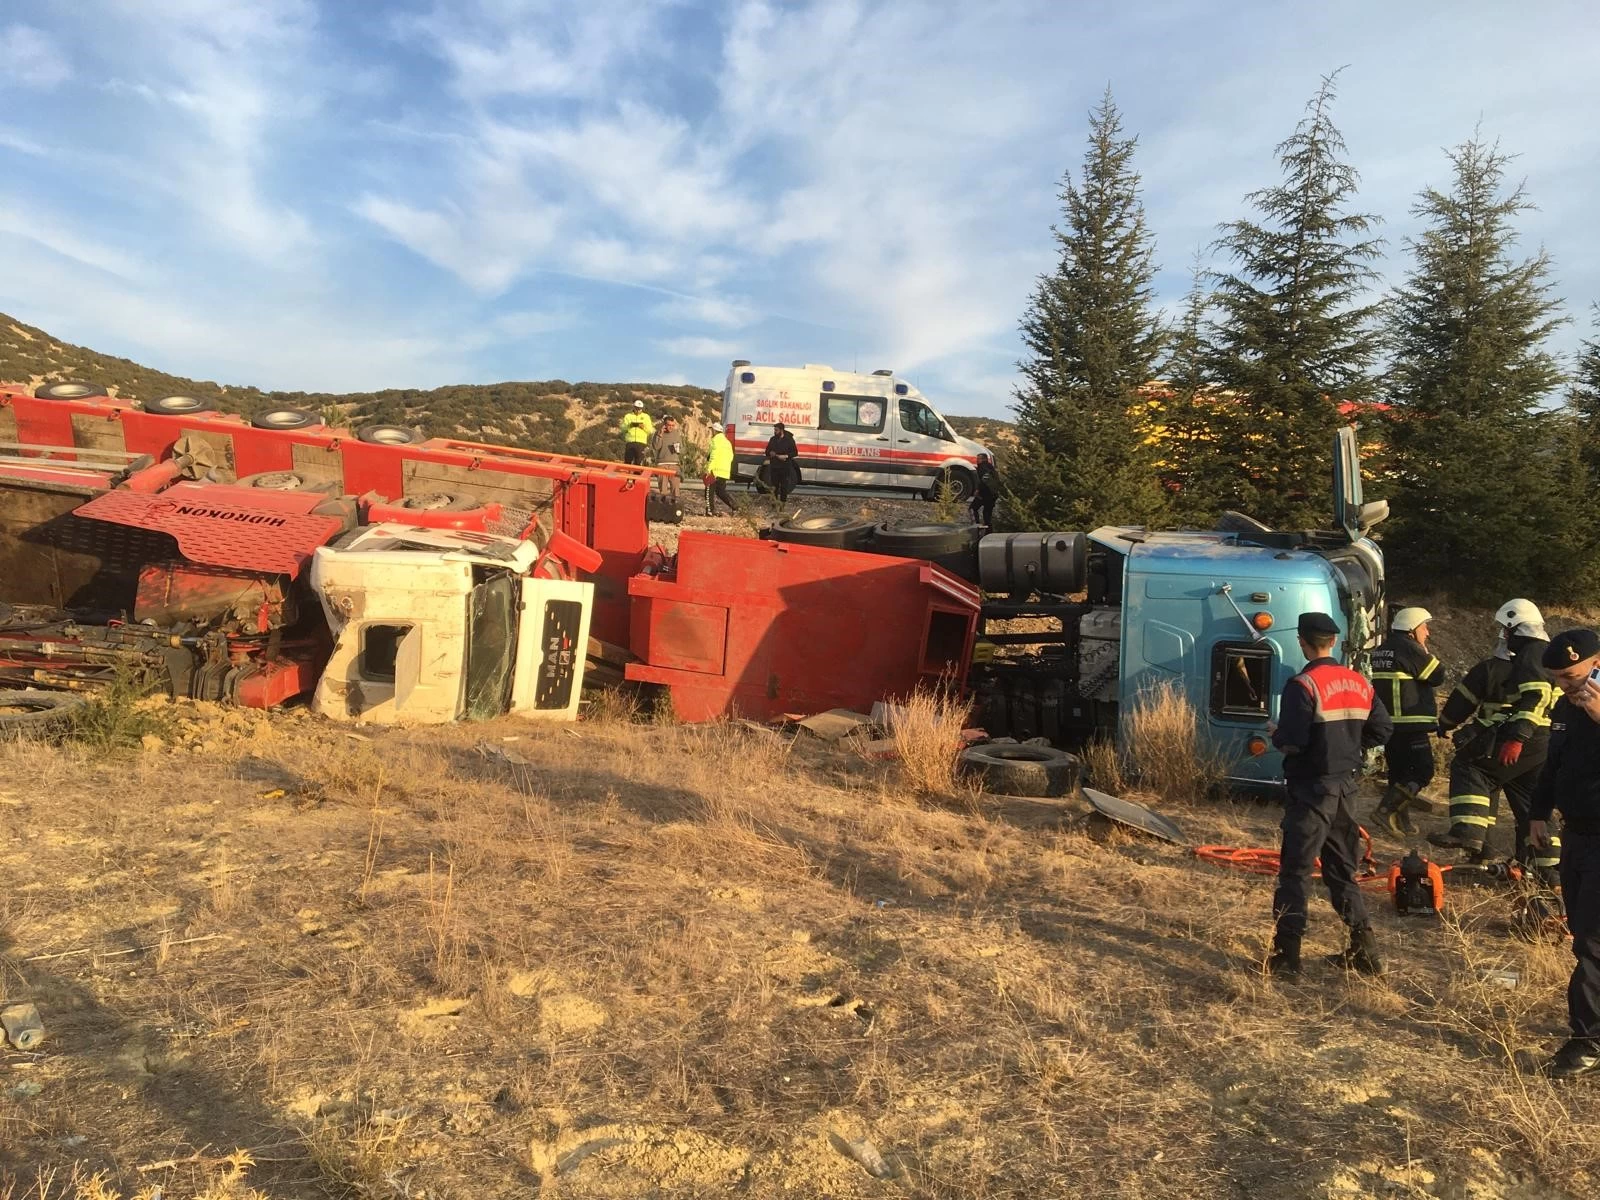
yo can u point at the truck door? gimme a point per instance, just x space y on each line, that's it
1347 496
922 443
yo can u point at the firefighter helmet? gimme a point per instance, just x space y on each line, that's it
1407 619
1521 617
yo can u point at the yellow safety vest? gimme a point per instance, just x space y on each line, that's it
720 461
637 427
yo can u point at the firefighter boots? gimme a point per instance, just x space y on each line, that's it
1391 811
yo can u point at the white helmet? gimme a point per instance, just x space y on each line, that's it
1521 618
1408 619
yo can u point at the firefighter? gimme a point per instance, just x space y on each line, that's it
1570 781
637 429
1502 711
1327 718
1404 675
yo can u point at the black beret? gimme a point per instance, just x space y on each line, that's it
1570 647
1317 625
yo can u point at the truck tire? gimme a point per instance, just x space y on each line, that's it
388 435
1019 770
285 418
275 481
662 508
912 539
30 712
963 484
836 533
178 406
441 502
68 389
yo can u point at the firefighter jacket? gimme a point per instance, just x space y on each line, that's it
637 428
1327 716
1570 780
1507 699
1404 675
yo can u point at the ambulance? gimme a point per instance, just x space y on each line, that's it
852 429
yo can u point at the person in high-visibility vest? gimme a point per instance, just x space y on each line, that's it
1404 675
719 469
637 429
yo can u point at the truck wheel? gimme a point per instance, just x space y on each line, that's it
30 712
285 418
963 484
178 406
71 389
1023 770
924 539
388 435
275 481
441 502
837 533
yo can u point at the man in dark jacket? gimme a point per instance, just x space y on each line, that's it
1502 708
1327 718
1404 675
987 492
1570 781
783 470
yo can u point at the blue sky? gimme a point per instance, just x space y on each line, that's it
357 195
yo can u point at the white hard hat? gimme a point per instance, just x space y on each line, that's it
1408 619
638 403
1521 617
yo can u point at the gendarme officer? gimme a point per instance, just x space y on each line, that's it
1326 718
1570 781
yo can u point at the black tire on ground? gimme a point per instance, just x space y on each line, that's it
30 712
963 484
285 418
1023 770
69 389
178 406
660 507
275 481
442 502
837 533
924 540
388 435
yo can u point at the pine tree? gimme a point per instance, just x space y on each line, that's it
1293 339
1583 403
1093 340
1189 458
1484 478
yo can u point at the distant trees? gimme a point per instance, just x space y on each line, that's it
1092 339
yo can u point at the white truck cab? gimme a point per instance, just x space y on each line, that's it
852 429
434 625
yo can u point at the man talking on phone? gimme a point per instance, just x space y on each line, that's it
1570 781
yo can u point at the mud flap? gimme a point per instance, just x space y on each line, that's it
1136 816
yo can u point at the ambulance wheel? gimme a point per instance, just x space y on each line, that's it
29 712
963 484
1009 770
275 481
71 389
836 533
285 418
178 406
388 435
442 502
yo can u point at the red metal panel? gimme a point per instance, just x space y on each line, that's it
251 529
680 635
807 628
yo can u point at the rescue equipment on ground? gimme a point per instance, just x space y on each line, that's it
1417 886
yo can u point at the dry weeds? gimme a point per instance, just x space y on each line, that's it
636 959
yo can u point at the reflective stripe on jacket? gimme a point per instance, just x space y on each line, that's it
1327 716
1404 675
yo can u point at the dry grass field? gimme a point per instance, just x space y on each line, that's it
635 959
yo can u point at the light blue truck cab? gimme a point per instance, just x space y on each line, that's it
1215 616
1109 617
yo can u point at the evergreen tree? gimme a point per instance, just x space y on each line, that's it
1093 340
1292 339
1485 479
1583 403
1188 418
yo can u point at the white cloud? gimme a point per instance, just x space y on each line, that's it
727 312
59 237
698 347
31 57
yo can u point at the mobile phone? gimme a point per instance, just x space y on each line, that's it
1594 679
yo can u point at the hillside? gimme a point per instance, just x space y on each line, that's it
553 414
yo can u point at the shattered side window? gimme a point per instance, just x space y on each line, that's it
491 645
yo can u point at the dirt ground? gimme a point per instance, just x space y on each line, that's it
629 959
